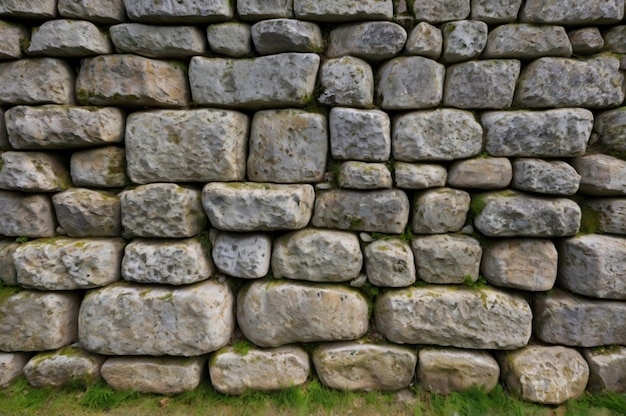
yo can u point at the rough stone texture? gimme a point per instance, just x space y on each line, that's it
525 41
69 39
437 11
545 374
104 167
200 145
71 364
553 177
614 39
33 172
425 40
359 134
350 366
26 215
343 10
573 12
384 211
258 206
360 175
132 319
346 81
183 11
563 82
587 40
171 262
606 369
275 313
286 146
162 210
389 263
131 81
568 319
463 40
521 263
432 315
440 210
411 82
243 255
607 214
281 80
4 140
264 9
481 173
372 41
267 369
169 375
85 212
610 127
286 35
442 134
11 366
514 214
98 11
36 81
419 176
32 320
481 84
13 36
8 275
230 39
447 258
447 370
177 42
601 174
495 11
317 256
35 9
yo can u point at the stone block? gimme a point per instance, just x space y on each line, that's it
168 42
286 35
264 9
26 215
440 210
601 174
495 11
481 173
608 215
343 10
553 177
97 11
610 127
447 258
69 39
463 40
587 40
15 37
85 212
573 12
614 39
103 167
606 369
356 134
361 175
11 366
183 11
346 81
231 39
412 82
35 9
372 41
424 40
389 263
36 81
419 176
33 172
437 11
71 364
245 256
526 41
8 275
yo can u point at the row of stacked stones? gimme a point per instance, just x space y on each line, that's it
284 189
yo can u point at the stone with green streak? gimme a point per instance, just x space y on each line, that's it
102 167
33 172
607 367
85 212
71 364
13 37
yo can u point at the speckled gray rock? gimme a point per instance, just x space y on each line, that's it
35 9
495 11
33 172
285 146
286 35
346 81
71 364
515 214
384 211
343 10
412 82
36 81
463 40
231 39
98 11
430 315
8 275
83 212
425 40
103 167
442 134
563 82
447 370
11 366
419 176
553 177
526 41
14 37
174 42
317 256
552 133
586 40
69 38
606 369
481 173
33 320
26 215
607 214
481 84
601 174
573 12
521 263
545 374
163 210
359 134
183 11
389 263
437 11
132 81
281 80
258 206
372 41
259 369
614 39
610 127
133 319
199 145
379 367
440 210
264 9
280 312
240 255
361 175
447 258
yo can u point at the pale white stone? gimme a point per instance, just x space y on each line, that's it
33 9
67 365
463 40
181 11
361 175
526 41
447 258
586 40
495 11
553 177
264 9
231 39
389 263
85 212
437 11
11 366
606 369
346 81
33 172
36 81
412 82
357 134
573 12
286 35
372 41
14 38
601 174
69 39
26 215
425 40
8 275
343 10
608 214
177 42
243 255
419 176
98 11
481 173
103 167
440 210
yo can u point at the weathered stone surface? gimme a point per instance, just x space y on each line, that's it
389 263
614 39
443 134
99 11
431 315
372 41
69 38
350 366
35 9
171 262
447 258
481 173
4 140
343 10
258 369
258 206
586 40
286 146
104 167
384 211
162 210
11 366
33 172
361 175
243 255
607 214
85 212
463 40
199 145
425 40
568 319
447 370
264 9
495 11
183 11
14 37
552 177
437 11
563 82
359 134
132 319
526 41
317 256
346 81
32 320
411 82
8 275
132 81
514 214
274 313
177 42
231 39
286 35
573 12
610 127
169 375
521 263
606 369
601 174
281 80
545 374
440 210
26 215
67 365
36 81
63 127
419 176
481 84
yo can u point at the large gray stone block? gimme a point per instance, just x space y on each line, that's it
346 81
607 214
98 11
26 215
601 174
525 41
343 10
372 41
437 11
463 40
447 258
264 9
357 134
286 35
69 39
553 177
412 82
573 12
243 255
35 9
36 81
71 364
33 172
424 40
85 212
173 42
231 39
586 41
182 11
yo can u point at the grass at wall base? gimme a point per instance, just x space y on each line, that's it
20 399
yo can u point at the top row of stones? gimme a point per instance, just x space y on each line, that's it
564 12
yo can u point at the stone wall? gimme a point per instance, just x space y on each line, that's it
256 193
